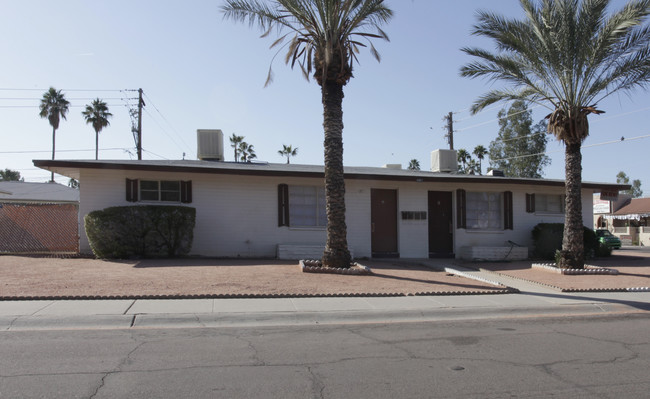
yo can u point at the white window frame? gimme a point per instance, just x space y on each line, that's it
307 207
159 191
484 210
542 204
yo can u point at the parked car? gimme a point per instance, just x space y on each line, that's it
607 238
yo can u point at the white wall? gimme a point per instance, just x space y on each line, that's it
237 216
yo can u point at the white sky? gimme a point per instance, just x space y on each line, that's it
199 71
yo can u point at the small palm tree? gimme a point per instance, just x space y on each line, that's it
566 55
324 37
97 114
480 153
235 141
288 151
53 106
463 157
414 164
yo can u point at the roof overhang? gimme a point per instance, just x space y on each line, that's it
72 168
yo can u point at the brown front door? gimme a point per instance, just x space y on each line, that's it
441 238
383 217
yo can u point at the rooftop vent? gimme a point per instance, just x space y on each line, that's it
393 166
444 161
209 144
495 172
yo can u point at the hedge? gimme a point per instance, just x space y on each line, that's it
140 231
547 238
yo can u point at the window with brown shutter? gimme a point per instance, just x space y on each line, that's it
132 190
283 205
507 210
186 191
461 211
530 203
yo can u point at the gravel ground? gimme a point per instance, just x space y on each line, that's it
34 277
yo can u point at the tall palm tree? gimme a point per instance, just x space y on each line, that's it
246 152
480 153
288 151
235 141
53 106
97 114
463 157
566 55
324 37
414 164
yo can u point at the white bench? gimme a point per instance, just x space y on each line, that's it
494 253
301 251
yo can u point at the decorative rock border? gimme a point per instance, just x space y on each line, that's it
588 270
315 266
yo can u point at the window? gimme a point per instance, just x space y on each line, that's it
549 203
159 190
307 206
484 211
301 206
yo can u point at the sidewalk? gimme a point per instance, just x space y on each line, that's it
533 300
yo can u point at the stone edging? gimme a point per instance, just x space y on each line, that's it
589 269
313 266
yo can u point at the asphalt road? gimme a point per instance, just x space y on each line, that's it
571 357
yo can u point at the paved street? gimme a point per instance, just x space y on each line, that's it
576 357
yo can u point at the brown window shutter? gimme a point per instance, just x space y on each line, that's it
461 212
283 205
132 190
507 210
186 191
530 203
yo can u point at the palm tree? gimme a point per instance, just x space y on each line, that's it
97 114
480 153
414 164
246 151
53 106
463 157
288 151
235 141
566 55
324 37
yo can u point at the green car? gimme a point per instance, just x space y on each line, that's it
609 239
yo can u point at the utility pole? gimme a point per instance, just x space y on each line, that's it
140 105
450 129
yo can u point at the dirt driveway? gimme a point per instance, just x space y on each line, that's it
31 277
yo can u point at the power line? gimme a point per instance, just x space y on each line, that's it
167 121
50 151
30 89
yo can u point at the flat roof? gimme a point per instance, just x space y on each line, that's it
71 168
37 192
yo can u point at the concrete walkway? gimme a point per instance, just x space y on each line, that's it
533 301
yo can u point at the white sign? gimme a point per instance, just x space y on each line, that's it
601 206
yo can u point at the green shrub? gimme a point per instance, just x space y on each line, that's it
547 238
140 231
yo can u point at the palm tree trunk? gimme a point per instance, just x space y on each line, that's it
336 248
96 145
572 254
53 147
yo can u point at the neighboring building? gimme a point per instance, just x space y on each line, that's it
38 218
628 218
278 210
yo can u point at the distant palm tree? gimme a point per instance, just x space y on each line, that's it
325 37
53 106
463 157
480 153
288 151
246 151
414 164
97 114
566 55
235 141
473 167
